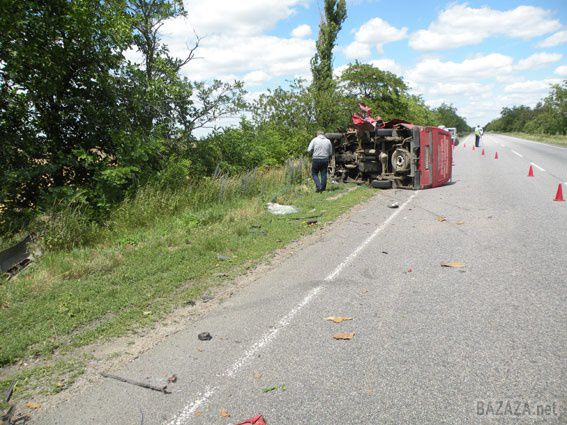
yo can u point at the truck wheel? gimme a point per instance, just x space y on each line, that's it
381 184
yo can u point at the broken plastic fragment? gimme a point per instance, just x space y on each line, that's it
347 336
33 405
338 319
256 420
453 264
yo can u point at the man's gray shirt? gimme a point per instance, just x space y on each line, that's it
320 147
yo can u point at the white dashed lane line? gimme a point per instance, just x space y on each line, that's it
537 166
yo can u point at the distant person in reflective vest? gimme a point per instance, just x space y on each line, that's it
477 134
320 149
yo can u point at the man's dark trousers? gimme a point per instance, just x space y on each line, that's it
319 166
477 140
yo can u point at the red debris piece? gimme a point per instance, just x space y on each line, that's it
256 420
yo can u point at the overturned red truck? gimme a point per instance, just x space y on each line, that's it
389 154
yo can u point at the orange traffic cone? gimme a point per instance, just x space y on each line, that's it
465 145
531 172
559 194
473 149
496 155
482 152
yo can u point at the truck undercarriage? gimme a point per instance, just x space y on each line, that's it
391 154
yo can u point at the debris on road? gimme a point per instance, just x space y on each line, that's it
345 336
172 379
394 205
410 270
460 222
441 219
385 252
256 420
453 265
257 375
224 413
161 389
205 336
206 298
338 319
275 387
15 258
278 209
33 405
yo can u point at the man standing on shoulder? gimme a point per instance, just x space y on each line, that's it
477 134
320 149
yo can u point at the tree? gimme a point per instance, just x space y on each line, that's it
59 71
322 62
447 115
383 91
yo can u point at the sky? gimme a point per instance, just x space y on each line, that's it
478 55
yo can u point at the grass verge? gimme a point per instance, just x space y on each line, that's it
159 252
543 138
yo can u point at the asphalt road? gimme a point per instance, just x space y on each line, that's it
432 345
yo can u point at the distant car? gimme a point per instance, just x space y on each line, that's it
454 135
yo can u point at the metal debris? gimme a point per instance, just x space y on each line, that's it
161 389
205 336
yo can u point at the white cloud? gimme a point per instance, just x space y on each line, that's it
538 60
234 42
531 86
471 89
256 77
231 17
374 33
273 56
301 31
462 25
561 71
559 37
469 70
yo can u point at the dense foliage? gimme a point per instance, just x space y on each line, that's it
83 127
549 116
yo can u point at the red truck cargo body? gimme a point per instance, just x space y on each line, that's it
435 162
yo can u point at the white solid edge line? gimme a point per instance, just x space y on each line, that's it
519 154
189 410
537 166
351 257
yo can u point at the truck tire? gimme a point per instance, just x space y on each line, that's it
381 184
